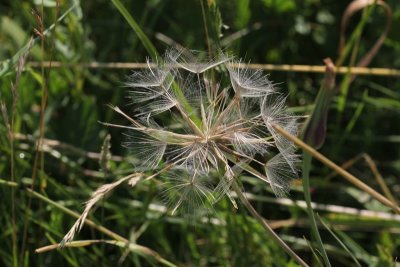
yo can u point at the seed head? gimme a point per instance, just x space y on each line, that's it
213 115
200 122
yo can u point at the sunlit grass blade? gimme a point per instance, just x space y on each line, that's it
132 22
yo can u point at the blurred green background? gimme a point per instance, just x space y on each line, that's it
259 31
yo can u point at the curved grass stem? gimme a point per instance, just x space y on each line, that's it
265 225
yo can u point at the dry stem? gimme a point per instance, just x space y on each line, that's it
348 176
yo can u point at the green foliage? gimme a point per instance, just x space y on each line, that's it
280 6
263 31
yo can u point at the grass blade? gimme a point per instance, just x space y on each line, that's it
339 241
7 66
306 187
141 35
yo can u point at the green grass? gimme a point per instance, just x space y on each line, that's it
126 31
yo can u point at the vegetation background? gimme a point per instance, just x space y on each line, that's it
39 191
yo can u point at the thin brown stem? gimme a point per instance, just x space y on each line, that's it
203 13
189 121
235 101
379 178
348 176
13 210
39 154
267 67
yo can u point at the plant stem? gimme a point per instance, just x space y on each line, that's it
38 158
348 176
119 240
144 251
307 196
203 13
379 178
267 67
12 166
265 225
148 45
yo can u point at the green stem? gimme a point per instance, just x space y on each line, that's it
141 35
13 197
266 226
313 223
